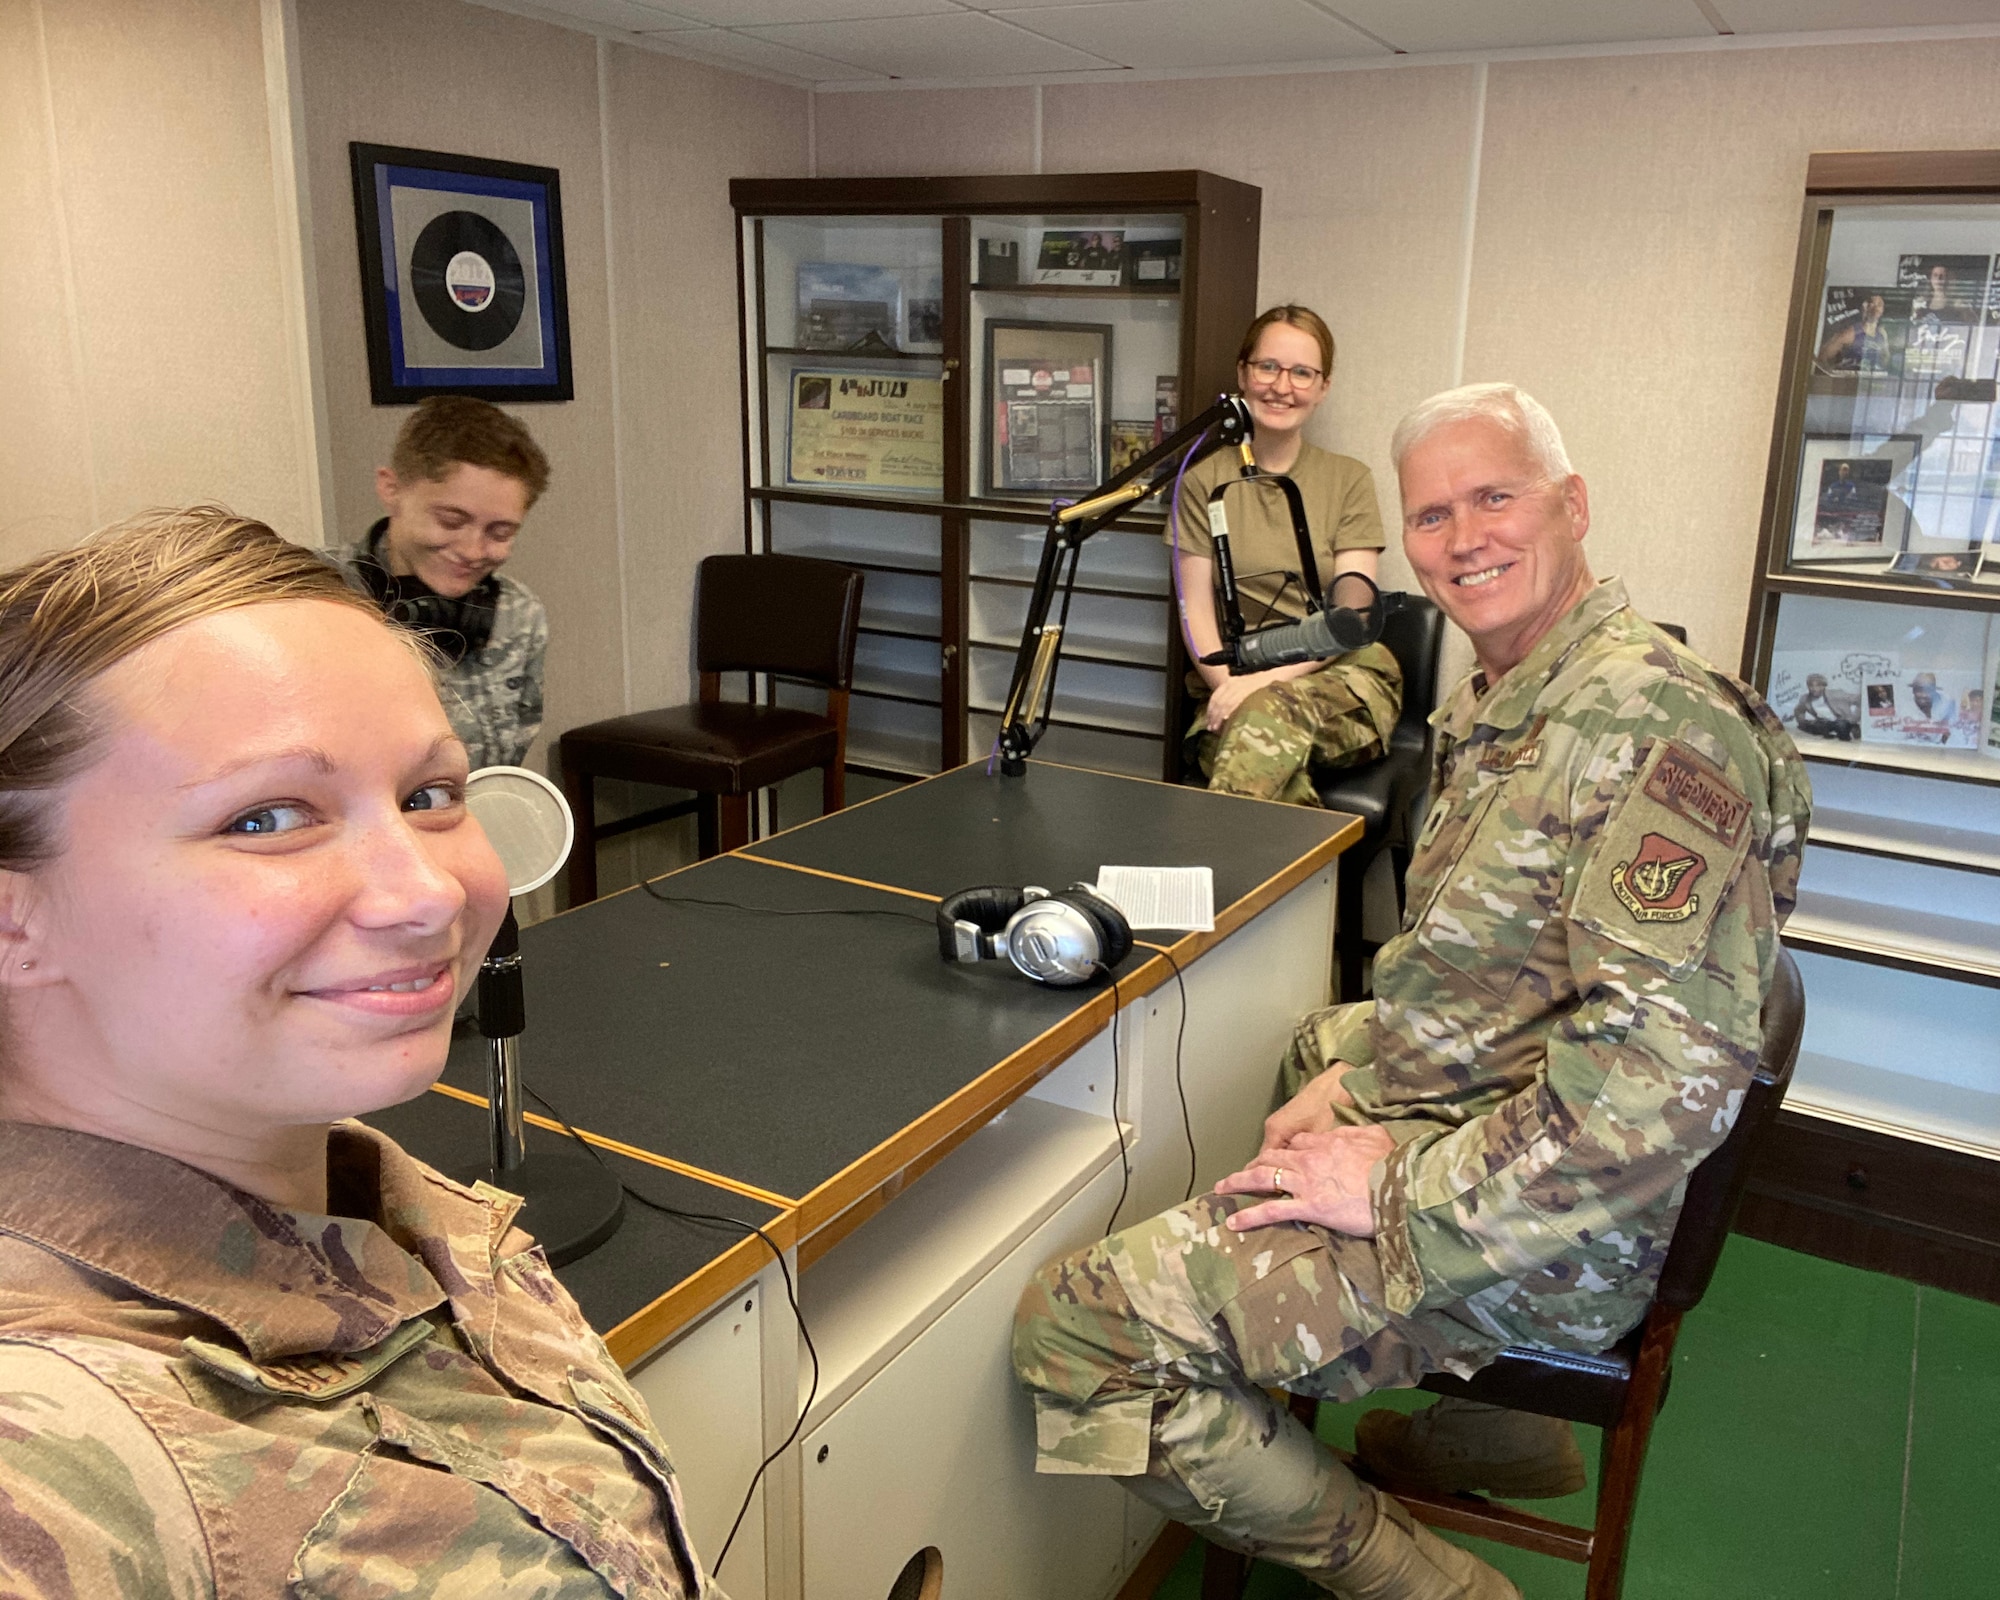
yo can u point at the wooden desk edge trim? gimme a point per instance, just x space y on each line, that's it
654 1324
715 1180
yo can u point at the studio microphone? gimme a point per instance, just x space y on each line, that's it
1332 632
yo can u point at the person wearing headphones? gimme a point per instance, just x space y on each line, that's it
1264 734
458 485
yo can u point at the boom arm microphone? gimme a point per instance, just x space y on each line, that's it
1332 632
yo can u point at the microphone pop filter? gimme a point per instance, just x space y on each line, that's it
526 819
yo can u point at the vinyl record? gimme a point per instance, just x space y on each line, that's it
467 279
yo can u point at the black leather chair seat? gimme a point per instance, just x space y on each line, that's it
719 747
1553 1383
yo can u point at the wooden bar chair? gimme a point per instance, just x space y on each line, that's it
1622 1390
793 617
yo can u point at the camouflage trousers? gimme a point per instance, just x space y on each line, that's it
1339 716
1148 1356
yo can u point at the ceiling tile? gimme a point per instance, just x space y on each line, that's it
1426 25
960 45
763 55
766 13
1200 33
1813 16
633 16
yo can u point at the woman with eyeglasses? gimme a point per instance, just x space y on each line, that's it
1263 734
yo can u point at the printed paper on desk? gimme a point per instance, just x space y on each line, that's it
1180 898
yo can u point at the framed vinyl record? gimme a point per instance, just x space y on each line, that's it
462 286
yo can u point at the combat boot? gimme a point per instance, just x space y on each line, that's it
1456 1446
1401 1559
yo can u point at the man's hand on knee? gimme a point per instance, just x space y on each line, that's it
1319 1177
1310 1110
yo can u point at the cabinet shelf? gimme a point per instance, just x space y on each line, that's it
1902 840
1081 291
1912 760
934 357
1080 649
1863 1096
1888 589
1895 936
1164 591
869 558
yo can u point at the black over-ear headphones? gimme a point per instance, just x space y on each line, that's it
1059 939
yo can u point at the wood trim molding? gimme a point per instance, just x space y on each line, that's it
1833 172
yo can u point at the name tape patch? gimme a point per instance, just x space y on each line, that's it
1689 787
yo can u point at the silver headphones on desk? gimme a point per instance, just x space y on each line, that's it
1061 939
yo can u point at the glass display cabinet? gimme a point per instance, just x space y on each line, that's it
1874 632
927 363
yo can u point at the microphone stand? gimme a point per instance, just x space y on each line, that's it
1031 694
574 1202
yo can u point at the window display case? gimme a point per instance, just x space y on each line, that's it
928 362
1874 632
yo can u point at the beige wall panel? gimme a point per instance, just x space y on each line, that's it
925 132
45 479
161 131
678 133
1633 270
440 75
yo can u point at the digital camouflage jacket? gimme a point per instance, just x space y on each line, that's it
1568 1020
494 696
203 1395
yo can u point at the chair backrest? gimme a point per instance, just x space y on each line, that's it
1415 637
1717 1184
1673 630
790 615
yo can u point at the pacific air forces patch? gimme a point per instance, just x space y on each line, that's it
1666 857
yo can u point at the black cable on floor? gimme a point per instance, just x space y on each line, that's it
791 1298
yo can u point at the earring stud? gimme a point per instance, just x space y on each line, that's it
25 965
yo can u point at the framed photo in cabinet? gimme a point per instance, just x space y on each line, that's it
1849 505
1046 405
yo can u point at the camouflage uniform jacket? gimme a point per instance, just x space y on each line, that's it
494 695
1565 1026
203 1395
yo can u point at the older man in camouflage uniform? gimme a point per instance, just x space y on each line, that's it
1494 1151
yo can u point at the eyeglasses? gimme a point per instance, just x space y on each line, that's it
1272 371
1480 508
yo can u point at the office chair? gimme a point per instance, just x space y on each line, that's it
791 616
1622 1390
1385 792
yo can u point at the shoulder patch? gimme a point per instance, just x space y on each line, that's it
1666 858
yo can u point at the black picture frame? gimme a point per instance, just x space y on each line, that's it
424 311
1062 344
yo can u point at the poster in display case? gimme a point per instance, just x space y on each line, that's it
1046 389
865 430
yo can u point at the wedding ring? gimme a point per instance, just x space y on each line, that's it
1278 1179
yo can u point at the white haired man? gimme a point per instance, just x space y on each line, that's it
1493 1151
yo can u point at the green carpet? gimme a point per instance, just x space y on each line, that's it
1832 1434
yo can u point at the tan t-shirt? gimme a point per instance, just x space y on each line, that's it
1341 514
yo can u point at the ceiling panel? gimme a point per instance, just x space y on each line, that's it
960 45
1200 33
1420 25
765 55
1807 16
765 13
633 16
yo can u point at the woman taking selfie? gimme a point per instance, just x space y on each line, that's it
1265 733
248 1348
